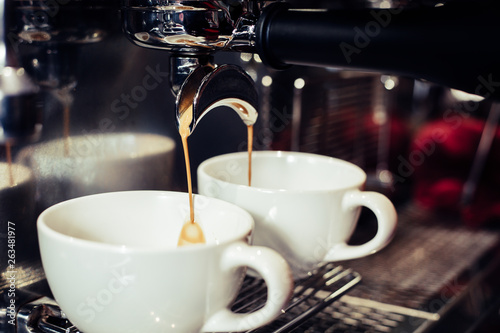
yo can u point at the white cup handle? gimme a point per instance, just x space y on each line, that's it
275 272
386 219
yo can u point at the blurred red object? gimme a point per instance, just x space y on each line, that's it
446 151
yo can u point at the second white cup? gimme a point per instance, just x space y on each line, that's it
97 163
305 206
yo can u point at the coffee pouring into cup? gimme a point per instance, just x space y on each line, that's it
305 206
205 89
201 86
196 283
113 264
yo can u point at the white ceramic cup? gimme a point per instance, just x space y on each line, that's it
113 264
96 163
305 206
17 214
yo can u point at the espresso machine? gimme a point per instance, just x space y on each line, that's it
350 79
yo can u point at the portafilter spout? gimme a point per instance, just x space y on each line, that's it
209 87
192 31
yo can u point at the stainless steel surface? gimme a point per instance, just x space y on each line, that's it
337 112
40 308
181 67
483 151
19 114
430 252
49 36
433 267
191 30
191 27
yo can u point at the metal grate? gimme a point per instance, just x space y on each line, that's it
335 112
310 297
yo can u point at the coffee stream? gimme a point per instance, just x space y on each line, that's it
66 130
250 146
8 152
191 232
